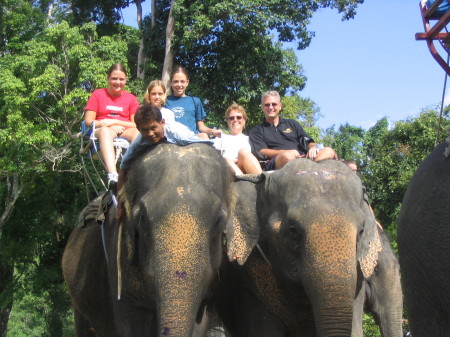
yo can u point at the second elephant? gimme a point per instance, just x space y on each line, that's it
318 242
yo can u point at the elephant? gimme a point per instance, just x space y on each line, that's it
163 258
317 242
423 236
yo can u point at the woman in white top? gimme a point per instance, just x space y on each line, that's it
235 146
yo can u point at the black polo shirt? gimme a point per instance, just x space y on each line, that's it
287 135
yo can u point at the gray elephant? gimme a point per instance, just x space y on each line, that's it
318 243
424 246
163 259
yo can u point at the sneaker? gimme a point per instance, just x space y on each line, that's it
113 177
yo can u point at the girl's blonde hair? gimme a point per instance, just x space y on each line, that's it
151 85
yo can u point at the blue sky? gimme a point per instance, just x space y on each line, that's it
369 67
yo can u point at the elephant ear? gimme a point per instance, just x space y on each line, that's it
242 230
369 243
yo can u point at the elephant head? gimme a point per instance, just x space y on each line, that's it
163 258
317 232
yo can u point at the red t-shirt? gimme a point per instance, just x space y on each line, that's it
112 107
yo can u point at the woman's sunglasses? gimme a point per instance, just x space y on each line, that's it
231 118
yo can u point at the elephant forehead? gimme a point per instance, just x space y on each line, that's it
321 181
322 174
181 232
331 245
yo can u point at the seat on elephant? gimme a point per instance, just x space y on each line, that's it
90 150
95 210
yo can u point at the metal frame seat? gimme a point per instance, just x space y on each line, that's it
90 150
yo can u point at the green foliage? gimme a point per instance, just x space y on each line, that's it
370 328
387 158
392 158
104 12
34 310
305 111
289 19
20 22
347 141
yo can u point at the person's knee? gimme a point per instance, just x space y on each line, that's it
244 153
287 156
130 134
283 158
203 136
326 153
105 132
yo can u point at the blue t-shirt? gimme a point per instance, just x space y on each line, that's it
188 110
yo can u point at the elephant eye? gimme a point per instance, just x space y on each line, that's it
360 234
221 219
293 230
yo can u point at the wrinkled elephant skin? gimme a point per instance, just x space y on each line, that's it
424 246
320 238
177 203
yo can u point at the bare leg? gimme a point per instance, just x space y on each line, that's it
130 134
203 135
248 163
234 168
283 158
106 136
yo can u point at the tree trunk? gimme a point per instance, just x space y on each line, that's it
141 56
12 194
168 57
49 12
153 14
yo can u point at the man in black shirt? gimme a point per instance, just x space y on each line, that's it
280 140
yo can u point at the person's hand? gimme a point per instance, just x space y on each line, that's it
118 129
105 122
313 152
216 132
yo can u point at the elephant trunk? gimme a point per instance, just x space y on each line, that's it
331 276
390 320
183 273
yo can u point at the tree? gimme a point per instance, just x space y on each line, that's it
392 158
20 22
348 142
229 48
305 111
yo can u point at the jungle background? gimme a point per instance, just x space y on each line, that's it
54 53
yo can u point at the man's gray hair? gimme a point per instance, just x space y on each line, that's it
270 93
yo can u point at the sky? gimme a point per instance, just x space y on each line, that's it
369 67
